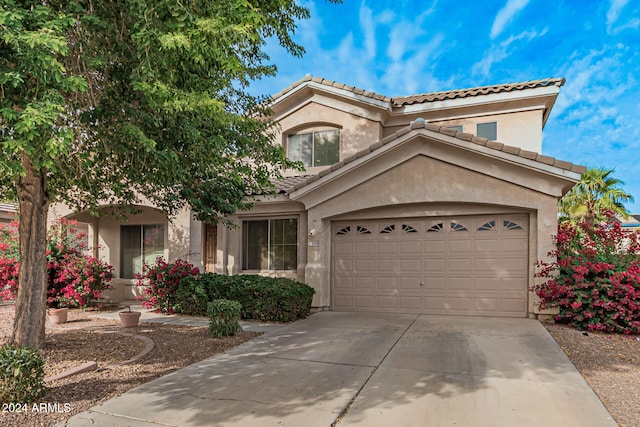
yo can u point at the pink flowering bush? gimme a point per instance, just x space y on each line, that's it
161 282
74 279
595 280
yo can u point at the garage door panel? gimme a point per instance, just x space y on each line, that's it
365 282
486 245
463 265
343 282
459 304
383 247
514 245
343 265
457 265
435 265
364 302
512 283
387 266
487 304
410 303
388 283
365 265
410 265
365 248
435 283
493 265
388 302
434 305
487 283
460 247
513 265
435 247
408 283
461 283
343 301
410 248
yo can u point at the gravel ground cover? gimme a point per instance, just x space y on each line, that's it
611 366
84 339
609 363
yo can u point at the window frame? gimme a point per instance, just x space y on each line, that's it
313 131
494 130
244 247
141 227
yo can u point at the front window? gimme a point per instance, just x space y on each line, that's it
139 245
270 244
321 148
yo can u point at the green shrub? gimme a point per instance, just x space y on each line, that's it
267 299
21 375
224 316
191 297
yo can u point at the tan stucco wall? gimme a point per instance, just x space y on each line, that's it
520 129
357 132
183 239
421 186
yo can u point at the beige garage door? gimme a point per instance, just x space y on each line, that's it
469 265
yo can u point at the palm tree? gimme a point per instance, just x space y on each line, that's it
596 192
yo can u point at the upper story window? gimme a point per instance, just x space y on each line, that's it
456 128
487 130
319 148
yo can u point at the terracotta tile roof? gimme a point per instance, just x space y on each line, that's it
427 97
286 184
418 124
476 91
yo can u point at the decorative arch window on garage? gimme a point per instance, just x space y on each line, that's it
317 148
270 244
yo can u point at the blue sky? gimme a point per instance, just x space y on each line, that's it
400 47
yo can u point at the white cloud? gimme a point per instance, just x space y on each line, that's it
613 15
397 42
506 15
499 52
368 26
614 12
414 71
593 80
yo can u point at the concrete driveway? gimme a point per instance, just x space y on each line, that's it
368 369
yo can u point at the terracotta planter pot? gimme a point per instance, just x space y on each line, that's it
58 316
129 319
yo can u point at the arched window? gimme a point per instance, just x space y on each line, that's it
315 148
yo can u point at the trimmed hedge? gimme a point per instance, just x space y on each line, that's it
270 299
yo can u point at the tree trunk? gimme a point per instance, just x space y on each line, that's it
31 306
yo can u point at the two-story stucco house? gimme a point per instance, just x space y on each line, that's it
407 205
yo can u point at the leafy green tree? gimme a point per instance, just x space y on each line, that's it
108 102
595 193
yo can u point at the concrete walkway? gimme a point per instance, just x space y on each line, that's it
151 317
366 369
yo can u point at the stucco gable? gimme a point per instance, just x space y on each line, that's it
546 165
527 169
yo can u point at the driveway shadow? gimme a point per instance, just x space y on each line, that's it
367 369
